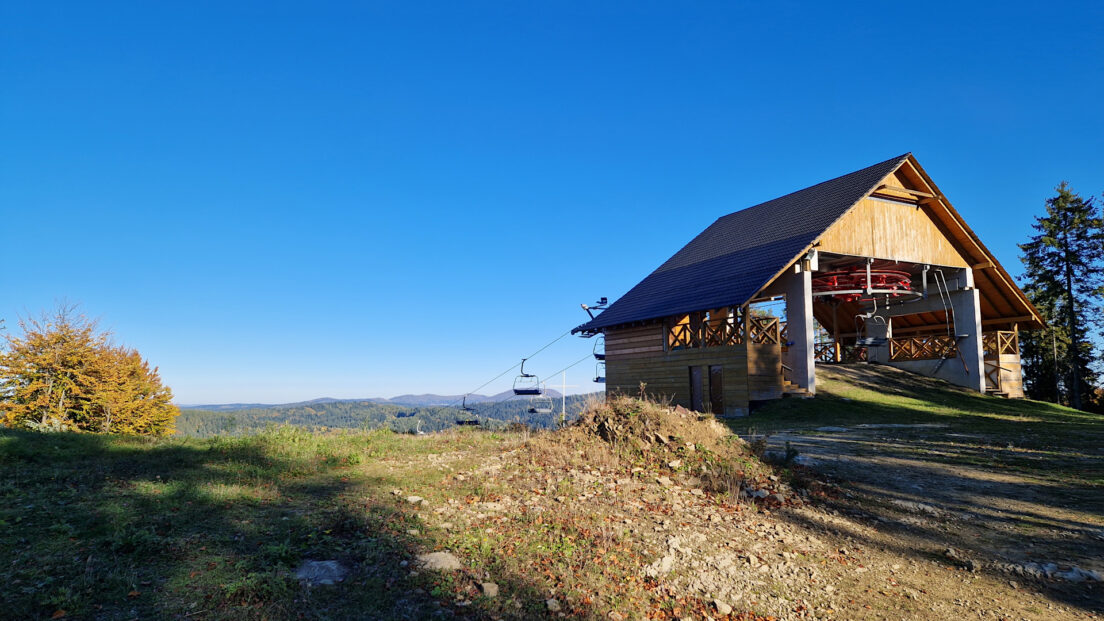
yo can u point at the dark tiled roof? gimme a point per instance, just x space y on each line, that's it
738 254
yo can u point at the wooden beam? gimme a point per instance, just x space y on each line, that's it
984 265
949 211
886 186
1007 319
891 197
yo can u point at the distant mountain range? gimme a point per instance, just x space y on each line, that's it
426 400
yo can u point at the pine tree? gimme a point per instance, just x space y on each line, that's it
64 373
1064 263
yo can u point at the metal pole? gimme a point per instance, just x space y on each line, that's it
1054 347
563 400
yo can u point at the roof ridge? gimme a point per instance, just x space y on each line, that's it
898 159
727 262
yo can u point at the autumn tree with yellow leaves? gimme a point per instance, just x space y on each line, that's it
64 373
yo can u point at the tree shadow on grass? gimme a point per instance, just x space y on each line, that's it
110 527
1007 491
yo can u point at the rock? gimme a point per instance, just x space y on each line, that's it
665 481
759 493
916 507
660 566
321 572
777 497
439 561
489 589
413 532
415 500
722 607
956 556
832 429
446 525
552 605
674 464
1076 574
1032 570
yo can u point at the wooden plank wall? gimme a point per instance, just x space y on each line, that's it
886 229
764 364
1011 374
635 355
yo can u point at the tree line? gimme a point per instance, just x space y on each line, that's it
355 414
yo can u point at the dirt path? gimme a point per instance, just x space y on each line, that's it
918 490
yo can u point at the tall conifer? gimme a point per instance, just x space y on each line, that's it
1064 262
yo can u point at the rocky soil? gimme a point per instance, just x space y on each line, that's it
664 514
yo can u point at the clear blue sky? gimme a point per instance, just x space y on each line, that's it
276 202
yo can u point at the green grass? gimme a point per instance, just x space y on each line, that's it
1048 441
116 527
123 527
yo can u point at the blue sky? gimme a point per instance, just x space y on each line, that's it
276 202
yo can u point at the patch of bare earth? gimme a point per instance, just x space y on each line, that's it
976 535
642 511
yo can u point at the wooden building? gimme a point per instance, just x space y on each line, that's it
873 266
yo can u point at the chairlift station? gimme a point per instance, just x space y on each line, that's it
874 266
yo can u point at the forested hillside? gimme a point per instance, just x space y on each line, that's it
358 414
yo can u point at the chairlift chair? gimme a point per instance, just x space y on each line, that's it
540 405
600 372
526 383
600 347
469 411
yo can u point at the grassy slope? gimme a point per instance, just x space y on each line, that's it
115 527
118 527
1053 442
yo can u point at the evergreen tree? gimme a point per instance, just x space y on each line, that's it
1064 263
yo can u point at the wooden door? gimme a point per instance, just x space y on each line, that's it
716 389
696 389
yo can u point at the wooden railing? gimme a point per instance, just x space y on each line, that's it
997 344
1000 342
930 347
703 329
723 331
824 351
764 330
992 377
853 353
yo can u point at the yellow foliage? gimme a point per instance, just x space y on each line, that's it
65 374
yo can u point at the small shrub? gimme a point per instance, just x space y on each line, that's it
258 587
758 446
